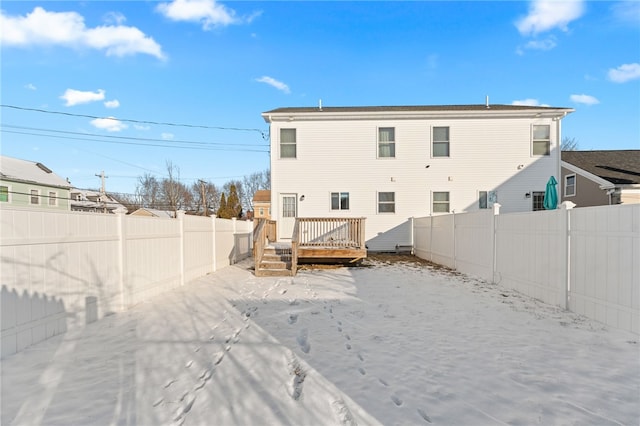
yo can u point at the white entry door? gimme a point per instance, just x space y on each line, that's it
288 212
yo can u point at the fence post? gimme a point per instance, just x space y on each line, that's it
454 239
213 239
430 237
180 216
566 232
120 212
494 231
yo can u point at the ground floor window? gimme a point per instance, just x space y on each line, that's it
538 201
339 201
4 194
441 202
386 202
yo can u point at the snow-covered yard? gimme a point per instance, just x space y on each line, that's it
397 343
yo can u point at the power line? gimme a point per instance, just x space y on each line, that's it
201 148
12 126
128 120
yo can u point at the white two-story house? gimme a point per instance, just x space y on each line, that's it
389 164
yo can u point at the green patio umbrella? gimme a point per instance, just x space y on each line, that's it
551 195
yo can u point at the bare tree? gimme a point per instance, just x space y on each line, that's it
252 183
569 144
148 191
207 195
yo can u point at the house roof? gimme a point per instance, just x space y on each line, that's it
262 196
154 212
413 112
408 108
87 198
29 172
621 167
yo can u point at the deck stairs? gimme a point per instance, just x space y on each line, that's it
276 262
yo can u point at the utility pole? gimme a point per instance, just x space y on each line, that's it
204 198
103 191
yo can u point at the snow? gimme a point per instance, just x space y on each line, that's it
391 343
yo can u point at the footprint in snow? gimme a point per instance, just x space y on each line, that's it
188 364
362 371
348 346
396 400
360 357
292 318
303 341
383 382
424 415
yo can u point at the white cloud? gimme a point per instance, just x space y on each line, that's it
545 15
274 83
68 29
546 44
75 97
167 136
30 86
112 104
141 127
624 73
584 99
627 11
528 102
114 18
110 124
207 12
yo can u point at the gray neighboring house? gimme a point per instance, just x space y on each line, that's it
595 178
86 200
30 184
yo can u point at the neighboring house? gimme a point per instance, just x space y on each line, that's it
27 183
154 213
594 178
262 204
389 164
86 200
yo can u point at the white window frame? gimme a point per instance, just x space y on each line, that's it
53 200
567 186
8 193
434 202
386 203
434 142
391 143
339 194
36 195
294 144
539 141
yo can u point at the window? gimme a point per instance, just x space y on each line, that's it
440 141
339 201
35 196
570 185
486 199
441 202
541 140
287 143
53 198
4 194
261 212
386 142
386 202
538 201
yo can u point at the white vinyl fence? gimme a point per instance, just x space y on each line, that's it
61 270
584 260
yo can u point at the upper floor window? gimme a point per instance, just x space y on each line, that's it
570 185
386 202
339 201
441 202
4 194
541 142
35 196
287 143
53 198
386 142
440 142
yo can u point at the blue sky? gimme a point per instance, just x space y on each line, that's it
125 86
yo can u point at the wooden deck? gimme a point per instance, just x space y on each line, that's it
313 239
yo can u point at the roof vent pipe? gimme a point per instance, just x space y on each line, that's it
487 102
320 104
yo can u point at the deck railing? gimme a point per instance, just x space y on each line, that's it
330 232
